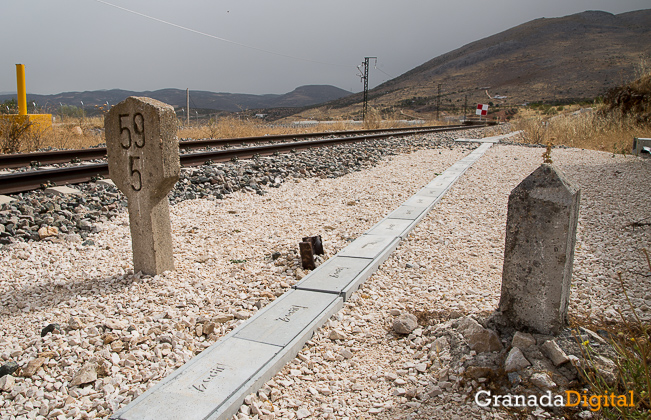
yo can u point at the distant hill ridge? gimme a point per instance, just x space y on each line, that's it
298 98
579 56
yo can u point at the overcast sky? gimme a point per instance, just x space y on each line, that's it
246 46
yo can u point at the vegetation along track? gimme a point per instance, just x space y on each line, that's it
21 181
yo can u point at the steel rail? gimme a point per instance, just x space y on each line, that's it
40 178
17 160
248 152
196 144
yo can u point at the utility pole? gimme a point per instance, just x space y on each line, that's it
465 106
364 77
187 106
438 101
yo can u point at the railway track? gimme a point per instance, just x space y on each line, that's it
18 160
21 181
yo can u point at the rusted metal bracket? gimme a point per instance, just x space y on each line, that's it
317 244
311 246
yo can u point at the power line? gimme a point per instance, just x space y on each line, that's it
382 71
219 38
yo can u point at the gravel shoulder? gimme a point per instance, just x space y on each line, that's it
449 267
235 255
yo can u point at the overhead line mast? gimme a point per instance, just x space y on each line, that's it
364 76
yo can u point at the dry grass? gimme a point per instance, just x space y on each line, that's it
234 127
588 130
611 126
229 128
79 133
75 133
71 133
373 119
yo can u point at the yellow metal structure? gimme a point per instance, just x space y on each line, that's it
30 124
22 92
38 122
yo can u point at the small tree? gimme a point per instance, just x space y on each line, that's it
71 111
9 107
12 131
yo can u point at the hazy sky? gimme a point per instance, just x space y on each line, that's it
246 46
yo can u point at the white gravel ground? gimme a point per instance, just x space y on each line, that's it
450 265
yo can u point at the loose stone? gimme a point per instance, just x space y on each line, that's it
337 335
32 367
523 340
47 231
220 319
75 323
8 368
479 338
302 413
51 328
405 324
7 383
542 381
551 349
347 354
515 361
85 375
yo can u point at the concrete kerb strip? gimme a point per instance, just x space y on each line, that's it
107 182
375 246
493 139
214 384
63 190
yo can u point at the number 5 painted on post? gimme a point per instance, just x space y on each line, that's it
134 172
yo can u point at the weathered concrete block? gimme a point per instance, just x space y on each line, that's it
63 190
4 199
108 182
539 251
143 159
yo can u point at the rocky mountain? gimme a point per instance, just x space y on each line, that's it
580 56
299 97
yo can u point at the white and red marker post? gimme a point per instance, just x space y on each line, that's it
482 109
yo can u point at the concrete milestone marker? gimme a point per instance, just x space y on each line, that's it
143 159
539 251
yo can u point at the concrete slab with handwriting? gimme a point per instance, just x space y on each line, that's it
392 227
279 324
369 246
334 275
420 201
200 387
408 213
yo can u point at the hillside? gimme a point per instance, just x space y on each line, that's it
580 56
233 102
633 99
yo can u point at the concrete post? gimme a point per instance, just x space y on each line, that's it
539 251
143 159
